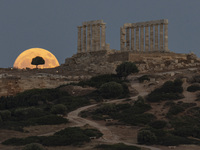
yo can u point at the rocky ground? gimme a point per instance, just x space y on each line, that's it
113 133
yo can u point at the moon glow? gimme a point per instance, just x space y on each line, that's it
25 58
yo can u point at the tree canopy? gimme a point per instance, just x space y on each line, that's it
126 68
37 61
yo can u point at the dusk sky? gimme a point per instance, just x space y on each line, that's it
52 24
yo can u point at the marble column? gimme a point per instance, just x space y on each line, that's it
156 37
122 38
93 38
146 38
161 37
142 38
98 37
151 38
127 39
79 49
103 36
84 39
132 39
137 39
88 38
166 37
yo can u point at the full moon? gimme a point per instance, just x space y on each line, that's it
25 58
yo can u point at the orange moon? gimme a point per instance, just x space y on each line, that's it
25 58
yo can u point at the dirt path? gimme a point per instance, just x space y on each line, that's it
108 136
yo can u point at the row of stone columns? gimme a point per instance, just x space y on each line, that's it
91 36
140 40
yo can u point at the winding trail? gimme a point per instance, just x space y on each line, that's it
108 136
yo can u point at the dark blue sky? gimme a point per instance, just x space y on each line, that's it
52 24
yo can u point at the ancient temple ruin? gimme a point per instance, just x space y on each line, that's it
149 36
144 43
92 36
145 36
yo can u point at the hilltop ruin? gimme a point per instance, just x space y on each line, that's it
145 43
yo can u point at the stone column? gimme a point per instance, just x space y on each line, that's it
93 38
103 36
127 39
132 39
98 30
161 37
137 39
84 39
151 38
122 38
166 37
142 38
156 37
147 38
88 38
79 49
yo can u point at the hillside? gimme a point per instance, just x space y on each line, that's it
171 112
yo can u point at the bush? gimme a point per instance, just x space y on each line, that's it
48 120
68 136
97 81
59 109
5 115
33 146
137 119
26 113
169 91
126 68
111 90
119 146
146 137
193 88
1 120
158 124
174 110
171 140
143 78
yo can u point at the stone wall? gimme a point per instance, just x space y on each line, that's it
104 62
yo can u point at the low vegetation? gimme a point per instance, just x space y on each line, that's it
119 146
126 68
135 114
68 136
38 107
108 86
170 90
193 88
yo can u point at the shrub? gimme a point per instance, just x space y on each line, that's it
143 78
137 119
1 120
158 124
68 136
126 68
119 146
26 113
169 91
5 115
48 120
97 81
59 109
174 110
146 137
171 140
111 90
33 146
193 88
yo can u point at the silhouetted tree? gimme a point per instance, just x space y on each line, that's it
37 61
